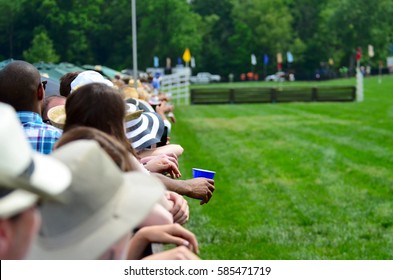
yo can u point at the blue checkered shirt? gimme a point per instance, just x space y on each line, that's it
41 136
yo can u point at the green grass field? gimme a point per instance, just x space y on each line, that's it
302 181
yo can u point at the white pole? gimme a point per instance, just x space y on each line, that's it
134 50
359 86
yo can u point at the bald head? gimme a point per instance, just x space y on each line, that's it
19 83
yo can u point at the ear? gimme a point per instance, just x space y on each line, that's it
40 92
5 238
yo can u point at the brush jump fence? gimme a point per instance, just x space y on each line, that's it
272 94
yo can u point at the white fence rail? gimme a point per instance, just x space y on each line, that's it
177 86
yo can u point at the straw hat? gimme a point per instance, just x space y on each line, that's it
25 175
104 205
129 92
57 116
132 112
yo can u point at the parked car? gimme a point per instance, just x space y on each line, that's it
278 77
205 78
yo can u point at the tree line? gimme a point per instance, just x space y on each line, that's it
222 35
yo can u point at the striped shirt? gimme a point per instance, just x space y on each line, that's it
41 136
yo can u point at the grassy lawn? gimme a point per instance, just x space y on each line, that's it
302 181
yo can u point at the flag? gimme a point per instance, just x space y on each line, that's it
265 59
370 51
253 59
289 57
155 61
187 55
168 62
279 58
358 54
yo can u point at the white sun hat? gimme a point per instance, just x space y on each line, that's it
104 205
89 77
25 175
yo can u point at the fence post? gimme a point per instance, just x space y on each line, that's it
314 94
177 85
231 96
273 95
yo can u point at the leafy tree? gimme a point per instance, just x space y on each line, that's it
216 31
41 49
165 29
9 12
71 24
348 24
306 17
220 34
268 22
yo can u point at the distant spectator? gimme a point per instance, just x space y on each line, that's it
65 83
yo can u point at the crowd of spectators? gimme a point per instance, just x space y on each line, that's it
91 173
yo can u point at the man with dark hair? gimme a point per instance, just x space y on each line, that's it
21 87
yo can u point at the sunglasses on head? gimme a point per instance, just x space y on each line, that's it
44 84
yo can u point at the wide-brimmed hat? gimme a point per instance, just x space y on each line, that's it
132 112
104 205
89 77
25 175
129 92
57 115
154 100
145 130
141 104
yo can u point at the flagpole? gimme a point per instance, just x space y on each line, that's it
134 45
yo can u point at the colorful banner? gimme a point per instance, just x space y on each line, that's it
358 54
187 55
289 57
265 59
370 51
279 58
253 59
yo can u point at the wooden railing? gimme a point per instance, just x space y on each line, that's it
272 94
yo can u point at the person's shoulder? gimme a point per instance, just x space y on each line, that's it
42 129
51 129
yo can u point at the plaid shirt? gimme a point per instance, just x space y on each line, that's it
41 136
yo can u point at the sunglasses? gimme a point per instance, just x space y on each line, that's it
44 84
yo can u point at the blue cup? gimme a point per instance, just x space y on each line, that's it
197 172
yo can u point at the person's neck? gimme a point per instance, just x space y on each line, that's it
37 109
